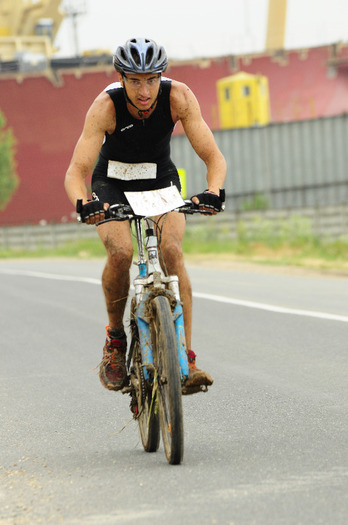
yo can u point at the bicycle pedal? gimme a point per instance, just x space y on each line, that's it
189 390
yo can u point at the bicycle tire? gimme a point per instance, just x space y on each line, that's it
169 380
146 408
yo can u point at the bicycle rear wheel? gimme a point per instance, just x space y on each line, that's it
169 380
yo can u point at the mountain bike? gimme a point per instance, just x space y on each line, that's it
157 362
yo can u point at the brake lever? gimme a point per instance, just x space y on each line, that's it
79 206
222 195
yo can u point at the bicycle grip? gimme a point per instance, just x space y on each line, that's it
222 195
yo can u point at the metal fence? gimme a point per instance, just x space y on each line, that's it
326 222
287 165
31 237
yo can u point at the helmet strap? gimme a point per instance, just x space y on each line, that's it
141 112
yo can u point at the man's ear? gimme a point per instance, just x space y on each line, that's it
120 78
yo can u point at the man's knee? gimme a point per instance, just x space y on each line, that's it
119 256
173 255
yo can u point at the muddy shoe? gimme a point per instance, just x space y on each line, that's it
197 381
113 371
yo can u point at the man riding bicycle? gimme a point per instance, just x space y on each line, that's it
125 142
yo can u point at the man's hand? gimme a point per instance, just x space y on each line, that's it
92 212
209 201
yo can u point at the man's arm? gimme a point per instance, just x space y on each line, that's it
185 108
99 119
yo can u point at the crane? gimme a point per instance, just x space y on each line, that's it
29 26
276 24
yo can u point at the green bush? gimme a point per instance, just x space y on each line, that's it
8 175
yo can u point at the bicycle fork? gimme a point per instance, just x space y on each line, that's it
143 323
150 275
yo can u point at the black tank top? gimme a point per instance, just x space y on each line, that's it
135 140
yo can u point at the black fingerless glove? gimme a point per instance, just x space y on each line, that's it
90 209
210 200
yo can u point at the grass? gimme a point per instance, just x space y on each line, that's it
290 243
81 249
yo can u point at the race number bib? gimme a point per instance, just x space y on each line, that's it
125 171
155 202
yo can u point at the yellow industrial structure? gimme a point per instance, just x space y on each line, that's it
276 25
243 101
28 26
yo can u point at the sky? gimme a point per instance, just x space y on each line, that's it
197 28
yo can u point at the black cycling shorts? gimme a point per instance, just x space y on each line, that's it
112 190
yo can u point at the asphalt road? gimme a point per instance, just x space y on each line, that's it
268 444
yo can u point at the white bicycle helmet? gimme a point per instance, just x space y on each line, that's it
140 55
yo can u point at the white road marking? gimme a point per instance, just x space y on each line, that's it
272 308
52 276
198 295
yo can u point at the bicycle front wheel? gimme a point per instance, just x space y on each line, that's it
169 380
144 404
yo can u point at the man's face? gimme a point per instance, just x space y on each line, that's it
142 88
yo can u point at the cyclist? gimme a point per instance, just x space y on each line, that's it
128 127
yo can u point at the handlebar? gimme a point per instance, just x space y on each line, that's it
124 212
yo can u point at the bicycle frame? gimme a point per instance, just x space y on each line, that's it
149 282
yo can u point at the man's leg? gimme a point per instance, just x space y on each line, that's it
171 248
117 240
173 230
115 281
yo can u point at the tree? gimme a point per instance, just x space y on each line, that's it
8 176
